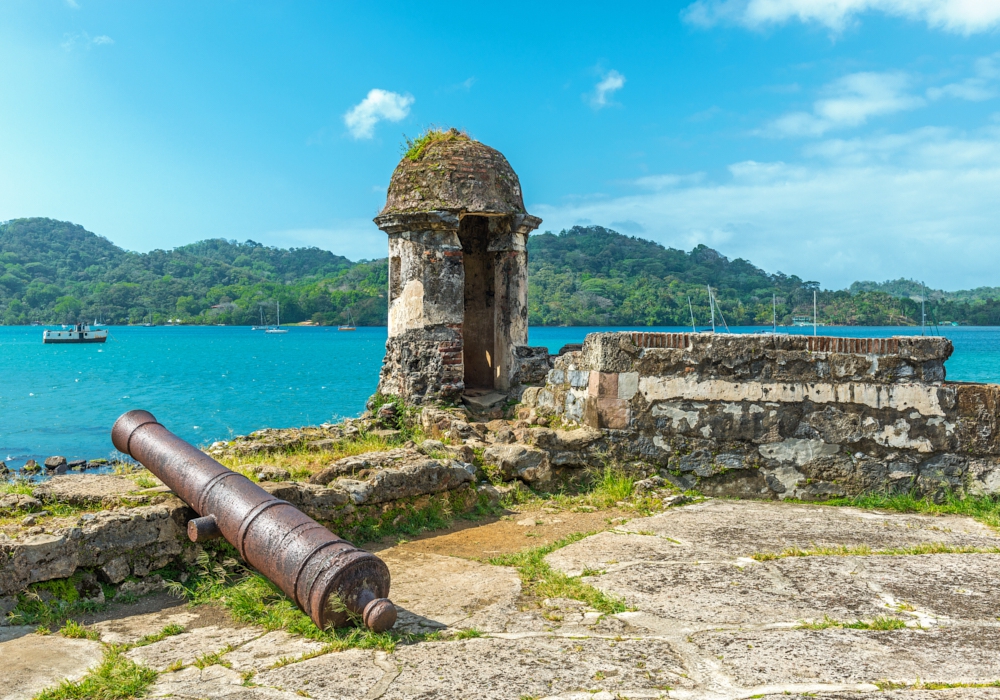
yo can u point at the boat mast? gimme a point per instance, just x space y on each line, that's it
814 312
691 310
774 313
711 305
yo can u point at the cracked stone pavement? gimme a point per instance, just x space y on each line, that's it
709 621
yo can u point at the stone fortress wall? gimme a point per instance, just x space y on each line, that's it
780 416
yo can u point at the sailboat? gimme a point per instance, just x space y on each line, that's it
349 326
262 326
277 326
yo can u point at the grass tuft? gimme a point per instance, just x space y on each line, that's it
168 631
115 678
74 630
414 148
866 551
542 580
882 622
985 509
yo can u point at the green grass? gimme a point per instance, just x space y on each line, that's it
252 599
866 551
540 579
302 461
610 487
168 631
115 678
881 622
985 509
50 603
414 148
21 486
74 630
471 633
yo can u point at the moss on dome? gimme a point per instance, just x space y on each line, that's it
447 170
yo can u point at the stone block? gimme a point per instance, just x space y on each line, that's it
628 385
612 413
115 571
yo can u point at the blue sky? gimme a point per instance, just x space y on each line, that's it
833 139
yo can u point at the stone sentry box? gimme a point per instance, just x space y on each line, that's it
780 416
458 275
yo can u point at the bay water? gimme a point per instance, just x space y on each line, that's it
208 383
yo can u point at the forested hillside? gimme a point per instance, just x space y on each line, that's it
57 272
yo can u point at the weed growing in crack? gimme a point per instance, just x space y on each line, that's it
116 678
865 551
985 509
541 580
881 622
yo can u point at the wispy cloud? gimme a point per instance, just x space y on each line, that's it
977 88
610 83
913 204
73 3
958 16
377 106
82 40
849 101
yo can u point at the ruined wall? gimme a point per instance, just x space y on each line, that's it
774 416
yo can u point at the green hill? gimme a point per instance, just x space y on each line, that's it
57 272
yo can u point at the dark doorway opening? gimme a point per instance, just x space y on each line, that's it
478 325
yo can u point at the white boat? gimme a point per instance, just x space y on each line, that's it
349 326
81 333
277 326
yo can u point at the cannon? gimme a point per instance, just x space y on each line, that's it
326 576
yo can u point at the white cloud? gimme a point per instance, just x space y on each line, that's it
610 83
920 204
73 4
975 89
959 16
84 41
849 101
378 105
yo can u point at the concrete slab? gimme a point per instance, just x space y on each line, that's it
536 667
215 682
340 675
131 628
967 654
433 592
263 652
31 662
723 529
189 646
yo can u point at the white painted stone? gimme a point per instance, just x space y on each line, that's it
407 310
898 436
798 451
628 385
919 397
676 416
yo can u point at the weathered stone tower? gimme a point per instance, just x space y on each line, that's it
458 272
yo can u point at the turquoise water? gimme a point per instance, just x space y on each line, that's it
207 383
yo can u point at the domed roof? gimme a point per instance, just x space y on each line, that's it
448 171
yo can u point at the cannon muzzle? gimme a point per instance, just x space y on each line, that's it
326 576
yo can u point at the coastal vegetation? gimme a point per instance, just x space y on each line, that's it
58 272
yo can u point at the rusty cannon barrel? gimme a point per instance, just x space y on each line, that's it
326 576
